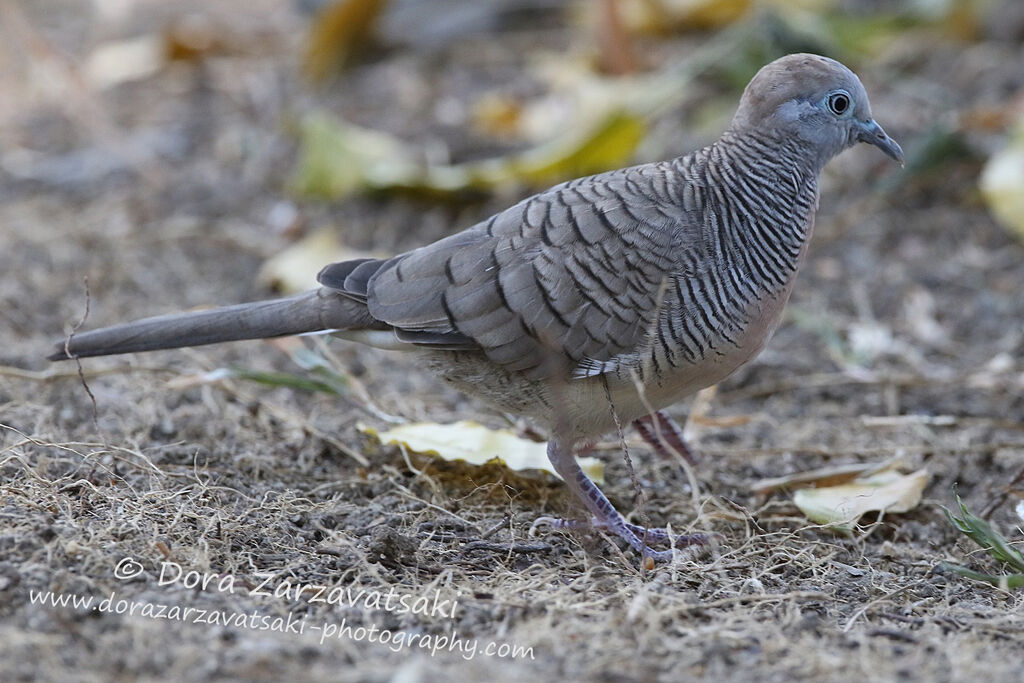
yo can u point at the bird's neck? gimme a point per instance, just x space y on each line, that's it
766 193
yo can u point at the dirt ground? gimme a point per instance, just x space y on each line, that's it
904 338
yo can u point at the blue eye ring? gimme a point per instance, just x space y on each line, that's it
839 102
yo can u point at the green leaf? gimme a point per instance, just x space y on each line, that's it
993 542
319 366
281 379
982 533
1004 581
338 158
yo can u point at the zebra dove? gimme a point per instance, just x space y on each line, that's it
601 300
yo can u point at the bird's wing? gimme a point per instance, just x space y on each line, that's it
566 281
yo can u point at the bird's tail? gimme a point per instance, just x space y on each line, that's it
316 311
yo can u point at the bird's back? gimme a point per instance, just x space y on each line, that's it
673 273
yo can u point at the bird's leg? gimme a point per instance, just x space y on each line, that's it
653 534
563 460
658 424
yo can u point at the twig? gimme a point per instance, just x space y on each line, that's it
507 547
637 489
859 613
78 362
497 527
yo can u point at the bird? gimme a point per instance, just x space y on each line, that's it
600 301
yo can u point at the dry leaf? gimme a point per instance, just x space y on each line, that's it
339 158
616 52
825 476
1002 184
339 29
497 115
121 61
841 506
294 269
601 122
194 37
477 445
663 16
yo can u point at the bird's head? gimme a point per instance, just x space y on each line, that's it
815 99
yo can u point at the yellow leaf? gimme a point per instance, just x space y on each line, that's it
497 115
338 158
841 506
478 445
294 269
339 29
1002 184
121 61
664 16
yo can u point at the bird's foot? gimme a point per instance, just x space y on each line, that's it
604 514
644 534
665 436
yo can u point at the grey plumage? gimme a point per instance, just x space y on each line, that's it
311 311
640 286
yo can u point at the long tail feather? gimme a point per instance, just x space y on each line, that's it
314 311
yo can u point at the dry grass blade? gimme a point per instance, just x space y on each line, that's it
822 477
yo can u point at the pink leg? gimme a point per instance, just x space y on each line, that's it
604 513
658 423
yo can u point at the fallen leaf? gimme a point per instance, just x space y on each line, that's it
478 445
194 37
121 61
602 123
993 543
320 376
665 16
841 506
822 477
1002 184
616 53
497 115
294 269
338 158
339 29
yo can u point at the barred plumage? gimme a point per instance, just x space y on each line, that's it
635 287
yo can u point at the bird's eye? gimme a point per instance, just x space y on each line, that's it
838 103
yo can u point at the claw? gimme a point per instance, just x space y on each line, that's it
642 534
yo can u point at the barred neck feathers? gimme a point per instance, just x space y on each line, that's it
763 192
756 196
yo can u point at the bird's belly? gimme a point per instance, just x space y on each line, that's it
633 399
582 405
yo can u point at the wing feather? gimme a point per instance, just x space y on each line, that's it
569 280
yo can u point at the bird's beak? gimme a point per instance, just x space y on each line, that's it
872 133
